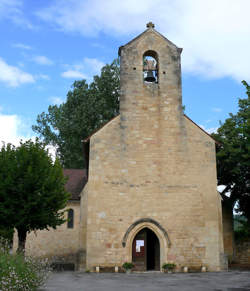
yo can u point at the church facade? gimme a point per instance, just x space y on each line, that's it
151 195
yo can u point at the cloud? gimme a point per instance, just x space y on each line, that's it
93 65
216 109
209 130
43 76
56 100
214 34
42 60
13 76
10 128
12 10
71 74
84 69
22 46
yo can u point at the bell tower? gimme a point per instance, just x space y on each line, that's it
150 80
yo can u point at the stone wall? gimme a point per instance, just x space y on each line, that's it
153 162
242 254
228 232
60 245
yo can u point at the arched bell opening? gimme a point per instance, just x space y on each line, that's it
150 67
146 250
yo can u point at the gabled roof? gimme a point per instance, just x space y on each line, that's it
77 178
150 28
202 129
88 138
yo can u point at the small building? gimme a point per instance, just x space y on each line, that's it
151 195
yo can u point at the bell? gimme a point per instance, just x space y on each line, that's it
150 77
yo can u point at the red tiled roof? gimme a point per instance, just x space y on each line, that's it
77 178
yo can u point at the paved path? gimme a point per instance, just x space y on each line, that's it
221 281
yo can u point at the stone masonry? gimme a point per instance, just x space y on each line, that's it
152 163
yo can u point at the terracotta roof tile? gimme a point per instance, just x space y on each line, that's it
77 178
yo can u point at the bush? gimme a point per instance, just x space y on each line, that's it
169 266
21 273
128 265
7 234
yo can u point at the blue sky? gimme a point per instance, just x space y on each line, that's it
47 44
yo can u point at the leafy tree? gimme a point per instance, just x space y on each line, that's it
6 233
31 189
87 108
233 157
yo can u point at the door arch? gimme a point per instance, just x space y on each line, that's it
136 227
146 250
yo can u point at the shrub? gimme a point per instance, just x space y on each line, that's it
128 265
169 266
21 273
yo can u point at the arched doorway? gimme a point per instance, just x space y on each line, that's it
146 250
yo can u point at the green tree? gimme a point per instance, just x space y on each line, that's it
87 108
32 189
233 157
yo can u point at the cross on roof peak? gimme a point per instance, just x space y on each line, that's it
150 25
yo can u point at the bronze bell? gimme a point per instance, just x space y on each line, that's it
150 77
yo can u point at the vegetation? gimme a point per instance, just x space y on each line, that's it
31 189
20 273
87 108
168 266
128 265
233 157
241 228
6 233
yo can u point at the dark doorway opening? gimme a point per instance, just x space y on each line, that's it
153 251
146 251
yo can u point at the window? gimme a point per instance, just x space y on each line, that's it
70 218
150 67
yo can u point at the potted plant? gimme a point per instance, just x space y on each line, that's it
168 267
128 266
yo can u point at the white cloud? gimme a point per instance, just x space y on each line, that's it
214 34
73 74
93 65
56 100
42 60
84 69
22 46
12 10
216 109
13 76
43 76
10 128
209 130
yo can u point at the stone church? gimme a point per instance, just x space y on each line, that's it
149 194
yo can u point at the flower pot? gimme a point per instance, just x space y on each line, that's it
185 269
128 271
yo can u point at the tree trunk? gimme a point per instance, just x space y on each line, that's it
21 240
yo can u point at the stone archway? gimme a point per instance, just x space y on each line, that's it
151 225
146 251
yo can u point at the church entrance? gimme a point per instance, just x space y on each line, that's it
146 251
